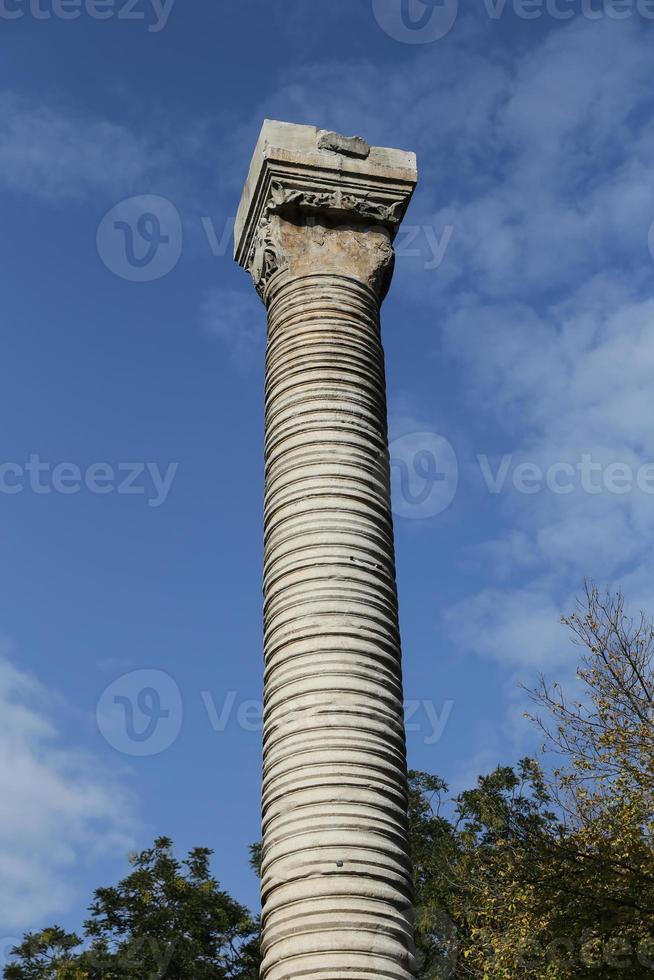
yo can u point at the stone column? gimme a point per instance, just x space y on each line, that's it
315 229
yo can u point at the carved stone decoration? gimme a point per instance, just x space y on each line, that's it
316 228
282 198
267 257
291 176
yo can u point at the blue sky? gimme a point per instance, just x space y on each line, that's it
520 358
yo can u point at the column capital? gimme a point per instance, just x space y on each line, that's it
304 177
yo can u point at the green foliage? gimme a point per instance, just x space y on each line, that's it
47 955
533 874
551 877
167 918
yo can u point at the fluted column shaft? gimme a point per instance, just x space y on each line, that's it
336 876
315 228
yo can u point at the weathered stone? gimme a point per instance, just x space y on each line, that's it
315 229
349 146
292 177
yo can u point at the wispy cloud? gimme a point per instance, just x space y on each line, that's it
575 382
548 307
517 627
59 810
539 159
237 319
54 152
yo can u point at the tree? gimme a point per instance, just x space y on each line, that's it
549 874
434 849
469 869
165 919
603 786
537 873
47 955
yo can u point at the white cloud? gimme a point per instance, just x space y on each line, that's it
572 381
554 181
54 152
237 318
543 160
575 380
549 312
540 161
59 810
513 627
544 295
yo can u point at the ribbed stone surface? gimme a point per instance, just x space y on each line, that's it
336 877
315 228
